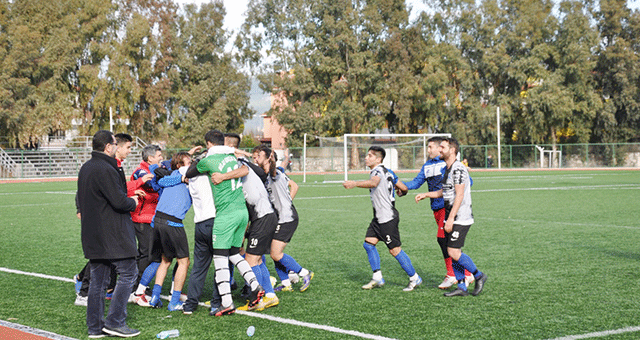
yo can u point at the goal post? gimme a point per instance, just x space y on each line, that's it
390 141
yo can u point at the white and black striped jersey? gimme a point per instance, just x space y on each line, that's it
280 196
255 193
457 174
382 196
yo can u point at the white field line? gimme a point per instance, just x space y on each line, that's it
252 314
558 222
34 331
600 334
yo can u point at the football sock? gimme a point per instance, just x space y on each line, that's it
231 267
157 289
245 270
405 263
222 279
467 263
290 263
268 288
459 272
377 275
372 254
148 275
281 270
175 296
447 263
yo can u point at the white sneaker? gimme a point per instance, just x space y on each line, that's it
448 282
373 283
413 284
81 301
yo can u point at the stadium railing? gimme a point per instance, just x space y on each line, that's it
66 161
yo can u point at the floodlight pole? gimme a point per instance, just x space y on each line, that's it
110 120
499 151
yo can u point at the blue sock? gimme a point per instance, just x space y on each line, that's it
281 270
265 272
458 269
405 263
291 264
157 289
175 296
149 273
372 254
257 270
468 264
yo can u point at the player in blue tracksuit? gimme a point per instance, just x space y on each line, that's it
169 237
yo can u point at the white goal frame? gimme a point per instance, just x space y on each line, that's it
425 137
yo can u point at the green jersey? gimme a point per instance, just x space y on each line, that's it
227 195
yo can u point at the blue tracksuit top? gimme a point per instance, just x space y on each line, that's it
175 199
431 172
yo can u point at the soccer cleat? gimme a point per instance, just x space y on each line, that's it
176 307
220 311
155 302
267 302
306 281
143 300
81 301
77 283
479 285
123 332
413 284
448 282
255 296
457 292
282 288
373 283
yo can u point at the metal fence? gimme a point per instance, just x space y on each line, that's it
66 162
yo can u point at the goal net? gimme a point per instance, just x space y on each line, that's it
403 152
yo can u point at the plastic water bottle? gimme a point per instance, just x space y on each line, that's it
174 333
251 330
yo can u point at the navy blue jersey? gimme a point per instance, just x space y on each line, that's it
431 172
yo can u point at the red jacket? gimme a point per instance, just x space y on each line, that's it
147 206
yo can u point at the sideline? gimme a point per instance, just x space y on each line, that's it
10 330
252 314
599 334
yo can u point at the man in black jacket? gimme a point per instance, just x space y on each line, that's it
108 237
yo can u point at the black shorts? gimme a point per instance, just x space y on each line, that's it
168 240
455 239
260 233
285 231
386 232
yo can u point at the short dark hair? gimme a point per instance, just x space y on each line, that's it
122 138
178 159
149 150
378 150
234 135
214 137
101 139
435 139
453 143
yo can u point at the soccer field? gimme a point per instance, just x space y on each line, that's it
560 249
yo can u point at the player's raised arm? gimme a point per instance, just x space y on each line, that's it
370 183
217 177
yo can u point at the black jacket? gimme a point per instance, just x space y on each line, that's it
107 229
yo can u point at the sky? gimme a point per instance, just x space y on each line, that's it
260 101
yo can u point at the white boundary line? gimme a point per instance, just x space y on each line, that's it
256 315
35 331
600 334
